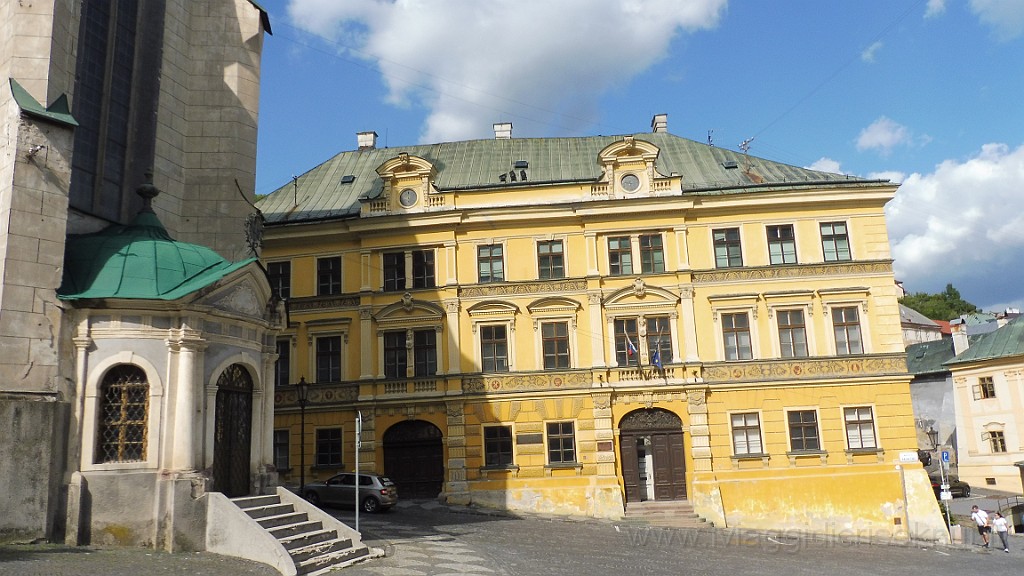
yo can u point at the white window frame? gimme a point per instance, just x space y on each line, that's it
743 244
817 423
751 312
773 317
821 240
874 427
760 434
575 443
570 322
862 318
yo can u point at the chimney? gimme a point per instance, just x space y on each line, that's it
659 123
959 329
503 131
366 140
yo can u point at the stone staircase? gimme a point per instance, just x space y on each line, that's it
283 531
665 513
311 546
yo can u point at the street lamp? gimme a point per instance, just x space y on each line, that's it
303 390
933 437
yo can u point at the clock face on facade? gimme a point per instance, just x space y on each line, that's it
407 197
630 182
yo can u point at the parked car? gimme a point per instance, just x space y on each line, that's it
957 488
376 493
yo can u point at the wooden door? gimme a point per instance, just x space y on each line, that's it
630 469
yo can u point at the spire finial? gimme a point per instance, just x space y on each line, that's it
147 192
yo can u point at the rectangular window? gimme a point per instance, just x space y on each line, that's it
835 242
736 335
281 450
746 434
792 334
328 275
491 263
847 331
283 366
328 447
803 430
620 256
626 338
997 440
652 254
279 274
328 359
727 248
497 446
424 350
659 340
986 388
395 356
394 271
493 348
423 269
550 260
555 344
561 443
781 244
860 428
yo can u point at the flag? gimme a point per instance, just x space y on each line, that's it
656 359
631 350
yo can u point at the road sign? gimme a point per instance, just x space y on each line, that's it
945 456
908 457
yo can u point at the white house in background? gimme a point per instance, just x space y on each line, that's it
917 327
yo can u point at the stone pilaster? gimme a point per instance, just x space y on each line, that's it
456 487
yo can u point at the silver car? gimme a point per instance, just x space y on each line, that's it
376 493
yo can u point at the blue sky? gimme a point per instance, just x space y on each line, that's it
928 93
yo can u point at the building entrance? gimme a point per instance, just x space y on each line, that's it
233 432
653 464
414 458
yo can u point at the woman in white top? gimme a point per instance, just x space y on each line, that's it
1000 525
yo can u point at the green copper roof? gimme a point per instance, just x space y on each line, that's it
476 164
58 112
1005 342
138 261
928 357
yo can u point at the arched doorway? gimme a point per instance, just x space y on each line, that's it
414 458
653 461
233 432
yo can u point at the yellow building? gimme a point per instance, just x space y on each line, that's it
575 325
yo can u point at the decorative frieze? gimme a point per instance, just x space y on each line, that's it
319 394
798 271
320 303
806 368
526 382
519 288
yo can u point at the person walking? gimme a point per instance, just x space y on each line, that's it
1002 527
981 518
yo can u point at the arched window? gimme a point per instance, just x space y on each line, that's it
124 415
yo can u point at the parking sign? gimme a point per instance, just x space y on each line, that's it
945 456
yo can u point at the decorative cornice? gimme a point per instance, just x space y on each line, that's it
805 369
558 286
327 395
526 382
796 271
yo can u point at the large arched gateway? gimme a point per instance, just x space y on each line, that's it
653 461
414 458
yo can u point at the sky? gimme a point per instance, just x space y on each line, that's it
926 93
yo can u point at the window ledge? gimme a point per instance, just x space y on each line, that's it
502 468
878 452
338 466
759 456
795 455
550 468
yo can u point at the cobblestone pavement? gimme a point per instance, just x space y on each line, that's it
428 539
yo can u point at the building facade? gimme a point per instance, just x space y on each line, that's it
113 369
988 392
574 325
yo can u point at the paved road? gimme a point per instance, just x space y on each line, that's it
427 539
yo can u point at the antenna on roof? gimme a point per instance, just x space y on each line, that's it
745 146
295 189
710 143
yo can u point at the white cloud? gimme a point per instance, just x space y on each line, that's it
935 8
963 223
1006 17
868 55
883 135
475 63
825 164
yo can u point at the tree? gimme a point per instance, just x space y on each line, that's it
945 305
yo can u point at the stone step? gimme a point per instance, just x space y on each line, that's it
319 549
326 562
283 519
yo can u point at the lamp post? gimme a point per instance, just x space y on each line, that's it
933 437
303 390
